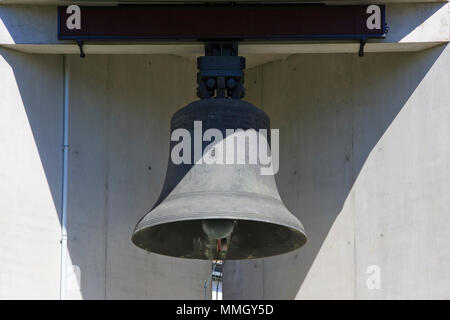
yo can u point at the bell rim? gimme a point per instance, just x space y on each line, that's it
225 217
295 230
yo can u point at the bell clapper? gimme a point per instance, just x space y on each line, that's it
219 245
218 228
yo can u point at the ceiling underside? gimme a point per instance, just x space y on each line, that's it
412 27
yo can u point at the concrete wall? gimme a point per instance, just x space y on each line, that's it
120 108
30 175
364 164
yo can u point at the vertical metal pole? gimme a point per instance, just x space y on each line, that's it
65 171
209 278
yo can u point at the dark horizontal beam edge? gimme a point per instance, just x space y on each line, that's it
222 22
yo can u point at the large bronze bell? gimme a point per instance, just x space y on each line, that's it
212 209
219 211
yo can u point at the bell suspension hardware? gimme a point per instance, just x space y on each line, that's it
220 71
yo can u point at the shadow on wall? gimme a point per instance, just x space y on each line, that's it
120 107
320 103
44 112
120 115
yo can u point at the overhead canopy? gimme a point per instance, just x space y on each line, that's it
412 27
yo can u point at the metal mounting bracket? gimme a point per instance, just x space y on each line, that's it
80 45
362 43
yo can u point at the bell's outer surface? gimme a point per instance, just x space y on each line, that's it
195 193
